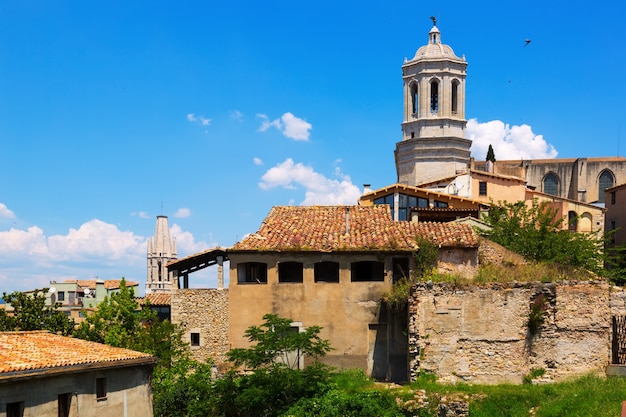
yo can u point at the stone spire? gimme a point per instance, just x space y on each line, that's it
161 251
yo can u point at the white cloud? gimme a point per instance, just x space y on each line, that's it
5 212
319 189
182 212
198 119
289 125
185 241
509 142
141 214
257 161
236 115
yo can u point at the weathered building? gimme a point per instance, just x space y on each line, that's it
43 374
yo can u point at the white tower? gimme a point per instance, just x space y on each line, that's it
161 251
433 142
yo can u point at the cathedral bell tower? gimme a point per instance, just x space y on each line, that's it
433 144
161 251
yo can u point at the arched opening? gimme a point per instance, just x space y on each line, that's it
455 96
414 98
585 222
605 181
551 184
434 96
572 221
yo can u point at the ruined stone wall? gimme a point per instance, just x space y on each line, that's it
205 312
495 333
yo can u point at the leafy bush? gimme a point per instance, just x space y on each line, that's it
338 403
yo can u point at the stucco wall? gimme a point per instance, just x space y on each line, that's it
128 393
203 311
480 333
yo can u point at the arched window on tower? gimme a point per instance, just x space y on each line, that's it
605 181
551 184
414 98
434 96
455 96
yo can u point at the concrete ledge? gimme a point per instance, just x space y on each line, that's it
616 370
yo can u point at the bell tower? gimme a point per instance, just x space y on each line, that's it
161 251
433 144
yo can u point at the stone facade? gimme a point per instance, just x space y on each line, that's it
203 312
615 219
484 333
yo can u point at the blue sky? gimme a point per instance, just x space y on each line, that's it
112 113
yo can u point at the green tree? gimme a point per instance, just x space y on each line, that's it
491 156
30 312
536 233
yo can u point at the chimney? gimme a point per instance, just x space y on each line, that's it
366 188
347 219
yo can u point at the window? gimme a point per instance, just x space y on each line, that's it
434 96
482 188
414 98
455 95
71 295
572 221
195 339
326 271
64 403
551 184
252 272
613 227
61 295
612 197
15 409
606 181
388 199
290 272
400 268
101 389
367 271
441 204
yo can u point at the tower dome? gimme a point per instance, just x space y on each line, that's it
434 49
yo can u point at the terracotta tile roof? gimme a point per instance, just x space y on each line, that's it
40 351
323 228
109 284
156 299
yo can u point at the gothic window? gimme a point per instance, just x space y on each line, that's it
551 184
606 181
434 96
455 96
414 98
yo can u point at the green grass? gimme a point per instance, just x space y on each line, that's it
585 396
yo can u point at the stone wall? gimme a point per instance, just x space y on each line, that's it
485 334
203 311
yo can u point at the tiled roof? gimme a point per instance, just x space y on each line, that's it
156 299
109 284
40 351
346 228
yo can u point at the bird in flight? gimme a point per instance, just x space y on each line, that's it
527 42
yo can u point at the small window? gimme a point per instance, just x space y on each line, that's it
195 339
290 272
326 272
15 409
367 271
64 403
414 98
434 96
482 188
101 389
400 268
612 197
455 95
613 227
441 204
61 296
252 272
572 221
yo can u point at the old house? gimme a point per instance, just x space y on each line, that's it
330 266
44 374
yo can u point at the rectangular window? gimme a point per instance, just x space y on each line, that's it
252 272
61 296
400 268
71 296
613 227
367 271
290 272
482 188
441 204
101 389
612 197
15 409
195 339
326 271
64 403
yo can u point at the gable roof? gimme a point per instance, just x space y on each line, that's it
156 299
33 353
420 190
109 284
347 228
